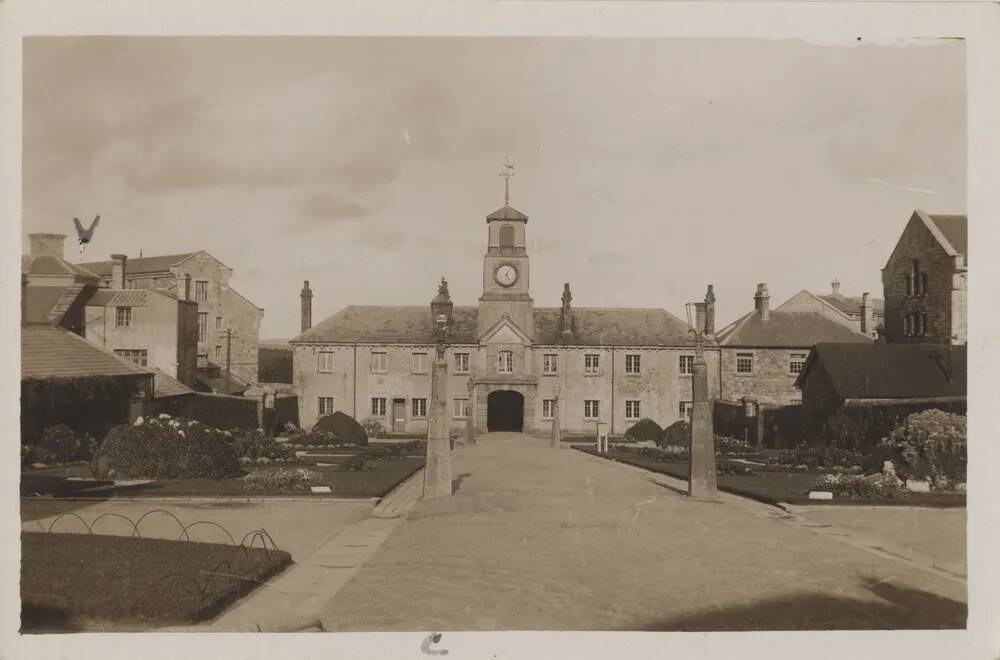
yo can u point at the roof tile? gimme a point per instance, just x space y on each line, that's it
48 351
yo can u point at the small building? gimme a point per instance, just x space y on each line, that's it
763 352
921 375
150 327
227 323
56 290
864 314
67 380
925 281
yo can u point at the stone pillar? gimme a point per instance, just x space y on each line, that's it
701 469
437 471
470 416
556 433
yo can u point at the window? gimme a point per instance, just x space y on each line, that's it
548 408
923 284
915 277
505 362
795 402
218 323
218 352
135 356
685 410
418 407
420 363
687 365
325 365
909 285
507 237
202 326
380 363
744 363
632 364
923 325
325 405
201 291
378 406
591 409
591 364
795 362
461 363
550 366
461 409
631 410
123 317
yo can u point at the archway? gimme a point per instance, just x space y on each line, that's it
505 411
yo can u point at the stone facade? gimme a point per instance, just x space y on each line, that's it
924 283
772 380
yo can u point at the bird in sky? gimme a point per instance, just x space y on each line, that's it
85 234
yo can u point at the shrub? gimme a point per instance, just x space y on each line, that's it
854 486
61 442
344 427
168 448
726 445
254 444
678 433
279 479
644 429
313 439
31 454
932 444
818 457
373 428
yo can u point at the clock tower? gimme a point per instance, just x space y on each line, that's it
505 268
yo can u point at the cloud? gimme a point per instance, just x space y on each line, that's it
326 207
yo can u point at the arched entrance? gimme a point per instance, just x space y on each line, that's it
505 411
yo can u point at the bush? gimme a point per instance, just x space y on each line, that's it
31 454
932 444
373 428
854 486
313 439
279 479
644 429
678 433
724 445
167 448
818 457
61 442
254 444
344 427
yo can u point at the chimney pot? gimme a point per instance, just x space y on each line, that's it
50 245
762 302
709 327
306 296
867 314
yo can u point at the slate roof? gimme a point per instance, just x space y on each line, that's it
236 384
850 305
507 212
118 298
414 325
165 385
139 265
890 371
46 264
787 330
40 300
48 351
956 229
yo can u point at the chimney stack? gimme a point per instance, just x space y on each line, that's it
24 297
442 302
700 317
187 287
50 245
710 310
867 314
762 302
835 287
566 313
118 271
307 306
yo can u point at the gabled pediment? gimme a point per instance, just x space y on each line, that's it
505 331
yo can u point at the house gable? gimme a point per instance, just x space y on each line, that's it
505 331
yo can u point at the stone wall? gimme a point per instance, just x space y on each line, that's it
244 318
771 383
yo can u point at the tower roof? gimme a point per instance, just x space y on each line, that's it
507 212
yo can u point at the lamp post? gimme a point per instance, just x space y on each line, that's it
437 470
556 433
701 468
470 414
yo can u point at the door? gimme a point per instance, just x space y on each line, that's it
399 415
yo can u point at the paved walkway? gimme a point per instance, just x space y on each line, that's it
538 538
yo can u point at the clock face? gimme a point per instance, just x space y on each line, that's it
505 275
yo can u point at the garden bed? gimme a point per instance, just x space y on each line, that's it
377 482
774 487
93 582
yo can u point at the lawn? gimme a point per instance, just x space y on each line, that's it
386 475
83 581
773 487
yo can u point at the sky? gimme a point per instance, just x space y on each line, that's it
649 168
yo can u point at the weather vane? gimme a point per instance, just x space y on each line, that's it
508 171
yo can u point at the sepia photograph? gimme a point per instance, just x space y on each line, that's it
479 333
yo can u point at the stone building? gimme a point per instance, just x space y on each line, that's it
225 319
925 279
865 314
763 352
54 290
507 359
